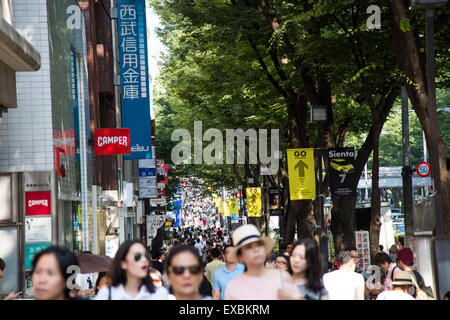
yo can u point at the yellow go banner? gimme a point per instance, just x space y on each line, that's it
302 180
235 206
227 208
216 199
221 205
253 202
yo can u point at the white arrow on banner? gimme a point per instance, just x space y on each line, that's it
154 222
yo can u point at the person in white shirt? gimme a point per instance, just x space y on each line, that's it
402 286
386 265
129 276
199 247
345 283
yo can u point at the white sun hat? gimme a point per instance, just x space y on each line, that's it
246 234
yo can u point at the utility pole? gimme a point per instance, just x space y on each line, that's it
442 244
407 171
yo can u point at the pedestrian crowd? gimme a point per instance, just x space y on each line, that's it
203 266
204 261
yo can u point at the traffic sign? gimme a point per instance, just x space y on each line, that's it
423 169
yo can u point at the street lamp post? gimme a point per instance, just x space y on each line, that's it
319 116
442 244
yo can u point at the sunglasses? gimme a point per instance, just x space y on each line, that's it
192 270
138 256
280 261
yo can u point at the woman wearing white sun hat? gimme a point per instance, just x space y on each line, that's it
257 282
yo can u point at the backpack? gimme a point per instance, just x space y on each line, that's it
422 292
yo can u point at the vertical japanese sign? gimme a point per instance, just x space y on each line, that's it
253 202
302 180
363 249
134 82
342 171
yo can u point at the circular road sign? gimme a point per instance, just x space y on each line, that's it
423 169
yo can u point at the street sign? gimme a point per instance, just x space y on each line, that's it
302 180
158 202
423 169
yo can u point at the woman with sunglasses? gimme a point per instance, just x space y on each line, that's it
185 273
129 276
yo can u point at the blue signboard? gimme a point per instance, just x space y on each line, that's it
178 213
135 94
147 172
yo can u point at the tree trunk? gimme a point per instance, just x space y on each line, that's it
375 223
407 53
343 222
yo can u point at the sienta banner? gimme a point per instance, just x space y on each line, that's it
134 81
342 171
112 141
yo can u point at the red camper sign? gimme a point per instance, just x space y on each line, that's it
112 141
37 203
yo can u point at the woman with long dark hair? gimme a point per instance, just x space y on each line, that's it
184 271
50 273
128 275
304 266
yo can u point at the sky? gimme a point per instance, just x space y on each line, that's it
155 47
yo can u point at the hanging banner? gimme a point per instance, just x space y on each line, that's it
135 94
253 202
342 171
112 141
221 206
227 208
302 180
234 206
275 201
162 174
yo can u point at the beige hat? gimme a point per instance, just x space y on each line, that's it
246 234
402 278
